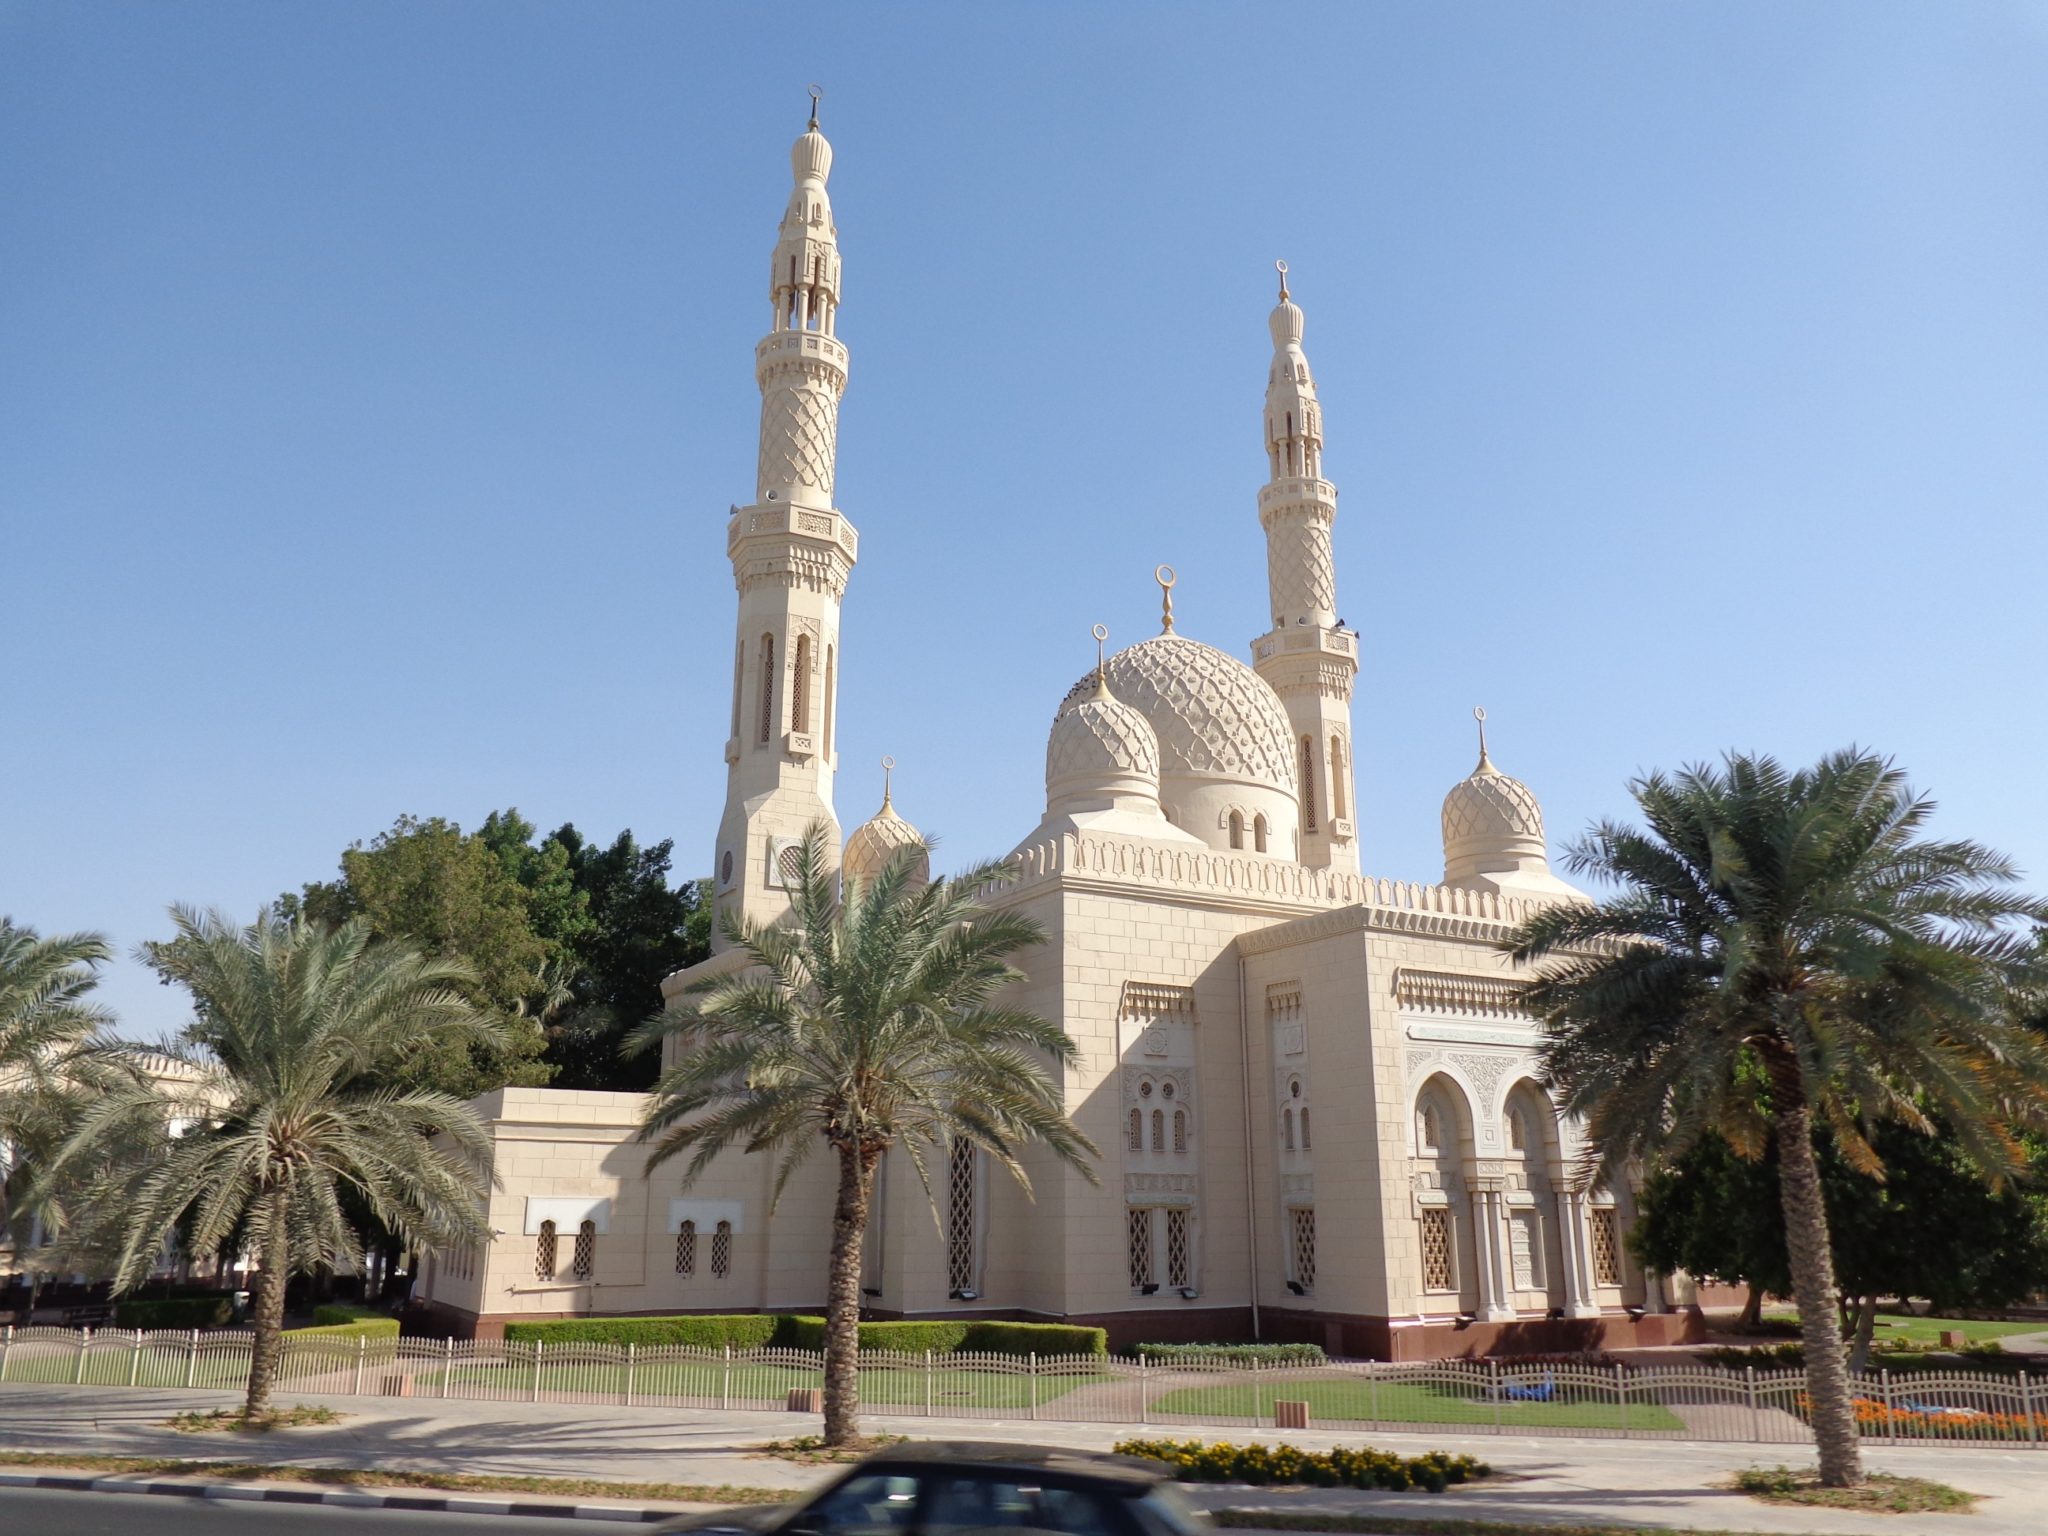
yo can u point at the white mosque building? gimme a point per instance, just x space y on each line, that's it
1314 1096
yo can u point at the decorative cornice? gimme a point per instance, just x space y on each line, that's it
1495 997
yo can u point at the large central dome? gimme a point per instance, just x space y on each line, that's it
1214 716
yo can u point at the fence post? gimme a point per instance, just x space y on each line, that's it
2026 1403
1145 1396
84 1343
362 1350
192 1358
6 1349
1034 1383
632 1353
1891 1416
1372 1394
1621 1394
538 1346
1756 1412
135 1359
928 1384
1493 1390
447 1362
725 1390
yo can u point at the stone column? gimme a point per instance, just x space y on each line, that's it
1486 1230
1575 1240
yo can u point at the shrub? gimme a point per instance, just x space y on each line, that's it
368 1327
1236 1354
1034 1338
1363 1467
333 1314
945 1338
745 1330
214 1311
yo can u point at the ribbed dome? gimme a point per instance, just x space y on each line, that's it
875 843
810 157
1214 717
1490 817
1286 324
1101 743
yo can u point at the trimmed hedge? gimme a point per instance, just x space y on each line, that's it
1194 1462
1236 1354
334 1314
215 1311
759 1330
372 1327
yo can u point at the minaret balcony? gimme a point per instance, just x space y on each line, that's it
1303 490
786 346
772 518
1305 639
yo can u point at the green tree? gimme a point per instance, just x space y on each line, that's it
1784 947
862 1027
292 1113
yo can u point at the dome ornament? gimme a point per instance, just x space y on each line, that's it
817 95
888 771
1479 714
1281 268
1101 634
1166 577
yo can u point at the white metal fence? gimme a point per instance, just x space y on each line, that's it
1671 1403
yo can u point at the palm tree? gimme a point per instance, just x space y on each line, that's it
864 1026
288 1117
1785 948
53 1050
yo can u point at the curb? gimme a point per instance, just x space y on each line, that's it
450 1504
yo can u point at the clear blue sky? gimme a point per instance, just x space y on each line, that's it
374 380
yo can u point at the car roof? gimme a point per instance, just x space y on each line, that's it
1132 1472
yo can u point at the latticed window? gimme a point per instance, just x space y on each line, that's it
1158 1130
1138 1244
583 1257
960 1219
1179 1263
1337 776
1303 1229
767 687
721 1250
800 685
1304 1128
686 1248
1180 1130
1437 1273
1428 1131
544 1252
1137 1130
1606 1246
1308 784
1518 1132
789 866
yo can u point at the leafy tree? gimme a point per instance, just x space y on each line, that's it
1786 947
292 1113
862 1027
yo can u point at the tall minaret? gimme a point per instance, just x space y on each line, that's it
792 552
1306 658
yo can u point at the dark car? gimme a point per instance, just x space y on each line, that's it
964 1488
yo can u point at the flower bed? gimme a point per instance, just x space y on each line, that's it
1195 1462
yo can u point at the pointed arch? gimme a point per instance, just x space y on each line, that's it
1259 833
1337 776
830 699
767 686
1308 783
800 686
1236 825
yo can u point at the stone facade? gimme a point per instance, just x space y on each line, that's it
1314 1099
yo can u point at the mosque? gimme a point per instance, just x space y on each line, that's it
1314 1096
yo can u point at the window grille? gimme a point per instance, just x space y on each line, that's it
1287 1129
686 1248
1180 1130
1606 1246
1158 1130
1437 1272
1178 1265
544 1252
1518 1135
767 687
1138 1244
1304 1128
1137 1130
789 866
1337 776
1426 1128
583 1257
1308 784
800 685
960 1219
721 1250
1303 1218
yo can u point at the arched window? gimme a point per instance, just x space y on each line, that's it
686 1248
583 1257
1158 1130
1259 834
1518 1130
544 1252
831 681
1237 829
960 1220
1304 1128
1337 777
1180 1130
1287 1129
721 1250
1137 1130
1308 784
1427 1129
767 711
800 686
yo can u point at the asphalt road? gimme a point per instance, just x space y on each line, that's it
54 1512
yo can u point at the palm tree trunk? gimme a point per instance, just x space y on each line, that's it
1865 1328
268 1315
842 1299
1813 1283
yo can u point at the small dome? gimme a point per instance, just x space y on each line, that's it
1491 823
1101 746
810 157
1286 324
1215 718
875 843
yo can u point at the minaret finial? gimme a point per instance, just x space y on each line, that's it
1479 714
1281 268
1165 576
1101 634
817 95
888 771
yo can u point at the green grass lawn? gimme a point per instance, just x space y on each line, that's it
111 1367
1897 1327
879 1386
1408 1403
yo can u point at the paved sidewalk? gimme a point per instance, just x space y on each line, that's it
1669 1483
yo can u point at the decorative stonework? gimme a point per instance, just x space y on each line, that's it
1156 1000
1446 992
1212 714
1484 1071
